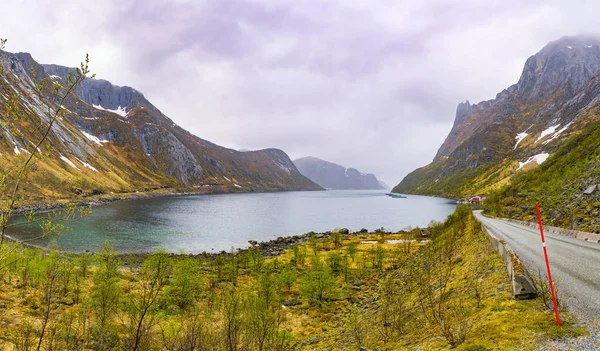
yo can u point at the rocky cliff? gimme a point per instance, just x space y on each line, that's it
112 139
332 176
491 141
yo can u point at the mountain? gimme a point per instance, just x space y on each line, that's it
332 176
557 95
112 139
566 186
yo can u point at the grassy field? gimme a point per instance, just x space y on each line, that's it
340 292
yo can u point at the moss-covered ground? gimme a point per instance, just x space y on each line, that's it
339 292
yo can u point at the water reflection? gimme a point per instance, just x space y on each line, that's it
218 222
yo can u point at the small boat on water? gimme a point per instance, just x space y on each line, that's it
396 196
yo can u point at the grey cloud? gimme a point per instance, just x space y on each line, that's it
367 84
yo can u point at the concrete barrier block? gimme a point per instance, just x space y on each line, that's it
522 288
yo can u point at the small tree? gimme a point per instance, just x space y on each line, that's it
263 314
352 250
50 97
345 267
50 289
286 278
143 303
185 286
257 259
319 283
106 290
337 239
232 319
314 244
299 252
230 273
377 257
334 261
381 232
191 333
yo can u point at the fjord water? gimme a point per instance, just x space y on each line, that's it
197 223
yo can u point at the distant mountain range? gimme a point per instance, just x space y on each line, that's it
333 176
112 139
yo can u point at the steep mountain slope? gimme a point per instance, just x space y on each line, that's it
112 139
565 186
333 176
556 96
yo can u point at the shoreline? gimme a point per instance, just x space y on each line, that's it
101 200
268 248
104 199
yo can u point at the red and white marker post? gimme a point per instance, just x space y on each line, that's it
537 208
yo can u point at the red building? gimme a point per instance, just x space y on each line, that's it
476 200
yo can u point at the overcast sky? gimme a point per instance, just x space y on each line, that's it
367 84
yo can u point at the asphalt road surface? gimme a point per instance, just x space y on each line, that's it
575 264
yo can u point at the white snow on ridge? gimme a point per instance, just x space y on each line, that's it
588 46
569 47
520 138
87 165
53 76
557 133
237 186
539 159
12 140
227 178
93 138
548 131
120 110
67 161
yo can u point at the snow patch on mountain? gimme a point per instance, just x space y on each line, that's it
12 140
546 132
520 138
557 134
120 110
93 138
87 165
539 159
67 161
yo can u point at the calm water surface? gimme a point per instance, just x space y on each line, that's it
197 223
